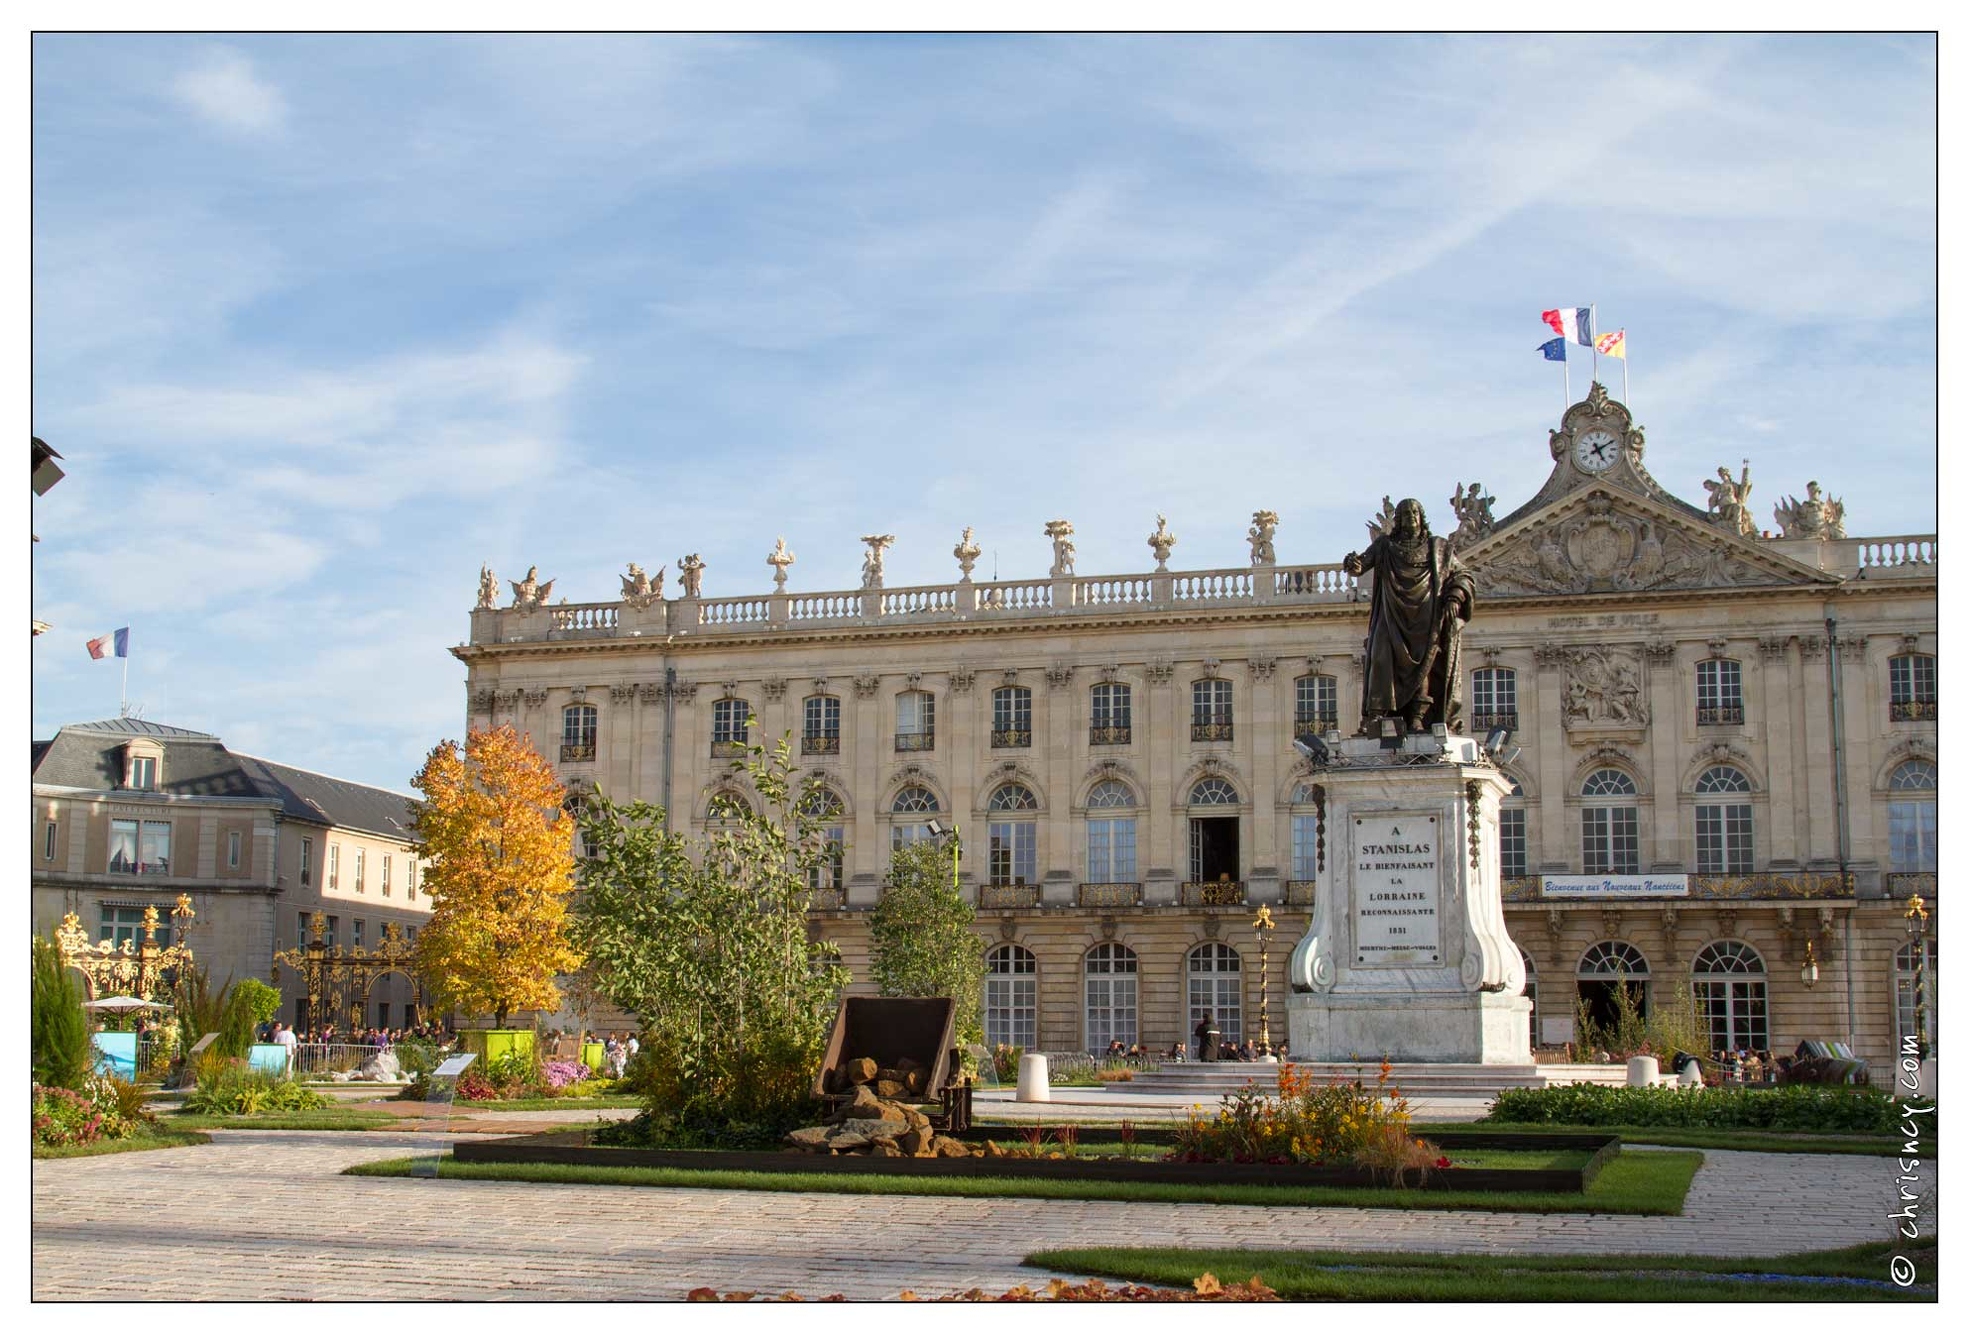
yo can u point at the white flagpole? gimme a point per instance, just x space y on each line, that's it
123 704
1566 362
1593 324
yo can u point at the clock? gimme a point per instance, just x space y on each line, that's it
1595 451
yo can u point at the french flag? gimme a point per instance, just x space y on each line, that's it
100 647
1572 323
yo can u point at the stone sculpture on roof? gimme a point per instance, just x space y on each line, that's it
1264 523
639 590
530 593
1814 516
691 570
871 564
1729 501
1473 517
1062 534
1161 542
488 589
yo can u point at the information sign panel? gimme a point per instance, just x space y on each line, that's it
1397 889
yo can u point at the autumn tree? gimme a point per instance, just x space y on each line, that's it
501 869
924 937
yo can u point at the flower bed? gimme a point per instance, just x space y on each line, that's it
1804 1107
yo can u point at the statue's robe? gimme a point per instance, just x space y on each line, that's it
1407 617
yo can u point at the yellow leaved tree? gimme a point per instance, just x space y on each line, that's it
501 869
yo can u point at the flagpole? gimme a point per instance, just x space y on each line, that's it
1593 325
123 704
1566 363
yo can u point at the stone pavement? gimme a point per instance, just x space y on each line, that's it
263 1214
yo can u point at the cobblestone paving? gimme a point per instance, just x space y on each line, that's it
263 1214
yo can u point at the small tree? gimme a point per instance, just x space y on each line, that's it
58 1028
501 870
924 935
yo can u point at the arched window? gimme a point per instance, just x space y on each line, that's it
577 733
1214 837
1603 969
911 802
1111 834
1213 791
823 805
1011 997
727 806
1305 835
1719 693
1111 719
916 720
1729 991
731 723
1216 979
1723 824
1210 710
1110 992
1911 688
1911 816
1315 705
1908 981
1513 848
1013 850
1493 699
820 731
572 806
1609 825
1011 717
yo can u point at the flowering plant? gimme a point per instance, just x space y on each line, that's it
63 1116
557 1075
1340 1123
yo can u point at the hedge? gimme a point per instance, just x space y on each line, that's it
1788 1107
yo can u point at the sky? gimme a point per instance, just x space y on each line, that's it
321 323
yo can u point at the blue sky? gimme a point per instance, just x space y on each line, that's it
321 323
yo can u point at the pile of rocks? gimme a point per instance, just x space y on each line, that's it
877 1121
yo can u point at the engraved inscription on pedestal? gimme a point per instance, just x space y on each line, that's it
1397 890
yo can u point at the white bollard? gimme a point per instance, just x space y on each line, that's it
1691 1077
1035 1081
1642 1072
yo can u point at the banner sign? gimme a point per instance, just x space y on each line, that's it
1615 886
1396 890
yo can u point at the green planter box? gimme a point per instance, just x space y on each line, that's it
492 1043
593 1056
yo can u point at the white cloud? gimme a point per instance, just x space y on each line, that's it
226 91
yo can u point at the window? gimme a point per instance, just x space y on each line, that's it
1729 991
1911 688
1111 835
410 881
1719 693
1315 705
232 849
1610 825
386 875
334 865
1512 861
1210 710
362 856
1011 997
1305 842
1493 699
1723 826
824 806
140 847
820 733
916 720
48 842
1907 983
1606 966
1011 717
1110 975
577 733
333 923
125 923
143 772
730 720
911 802
307 861
1213 791
301 930
357 924
1911 817
1013 857
1111 716
1217 990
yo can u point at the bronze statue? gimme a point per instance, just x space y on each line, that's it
1422 596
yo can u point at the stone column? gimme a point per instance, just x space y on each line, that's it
1165 734
1671 706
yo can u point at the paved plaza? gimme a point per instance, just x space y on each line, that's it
265 1214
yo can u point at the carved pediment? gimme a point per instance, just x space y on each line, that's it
1597 542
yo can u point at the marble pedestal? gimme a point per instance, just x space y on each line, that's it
1407 956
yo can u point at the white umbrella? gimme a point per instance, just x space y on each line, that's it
122 1004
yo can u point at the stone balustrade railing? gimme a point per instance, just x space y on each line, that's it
1911 556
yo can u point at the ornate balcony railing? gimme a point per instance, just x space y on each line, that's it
1110 894
1008 896
916 741
573 752
727 750
1314 724
827 900
1109 736
1210 731
820 745
1904 884
1212 893
1773 885
1720 715
1299 893
1911 711
1010 738
1521 888
1482 723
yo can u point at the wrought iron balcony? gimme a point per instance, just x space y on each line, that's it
1720 715
820 745
1299 893
827 900
727 750
1904 884
1010 738
575 751
1482 723
1110 894
1212 893
1109 736
1008 896
916 741
1210 731
1314 724
1911 711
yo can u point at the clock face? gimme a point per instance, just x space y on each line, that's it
1595 451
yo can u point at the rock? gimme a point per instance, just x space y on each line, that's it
874 1129
809 1138
946 1147
866 1104
382 1066
890 1088
914 1119
886 1149
915 1079
915 1143
860 1070
907 1064
991 1149
830 1081
842 1141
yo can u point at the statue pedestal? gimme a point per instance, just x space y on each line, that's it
1407 956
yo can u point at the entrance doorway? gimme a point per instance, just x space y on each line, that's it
1213 848
1603 971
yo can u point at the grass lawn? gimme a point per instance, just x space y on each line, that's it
322 1118
1857 1273
161 1139
1682 1137
1642 1183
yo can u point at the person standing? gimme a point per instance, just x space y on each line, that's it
283 1036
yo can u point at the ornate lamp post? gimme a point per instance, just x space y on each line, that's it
134 969
1917 928
1264 926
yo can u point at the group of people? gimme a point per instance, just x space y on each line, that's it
1211 1047
359 1037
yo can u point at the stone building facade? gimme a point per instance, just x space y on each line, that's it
1742 725
130 814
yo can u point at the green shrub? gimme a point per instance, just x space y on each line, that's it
1806 1107
58 1028
240 1092
1339 1123
63 1116
1671 1025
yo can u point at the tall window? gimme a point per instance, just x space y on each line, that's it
334 865
1210 710
1607 966
1493 699
577 733
143 772
910 806
1905 979
1111 724
1216 980
307 861
1609 825
1911 817
1011 716
1729 991
48 841
1911 687
1512 850
1315 705
1723 838
1011 997
121 923
361 856
410 880
916 720
1111 834
357 925
1305 835
140 847
1110 982
820 732
386 875
730 726
1719 693
1014 848
232 849
825 807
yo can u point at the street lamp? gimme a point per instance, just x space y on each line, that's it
1809 972
1264 926
1917 928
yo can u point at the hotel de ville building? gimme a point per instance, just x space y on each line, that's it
1724 774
